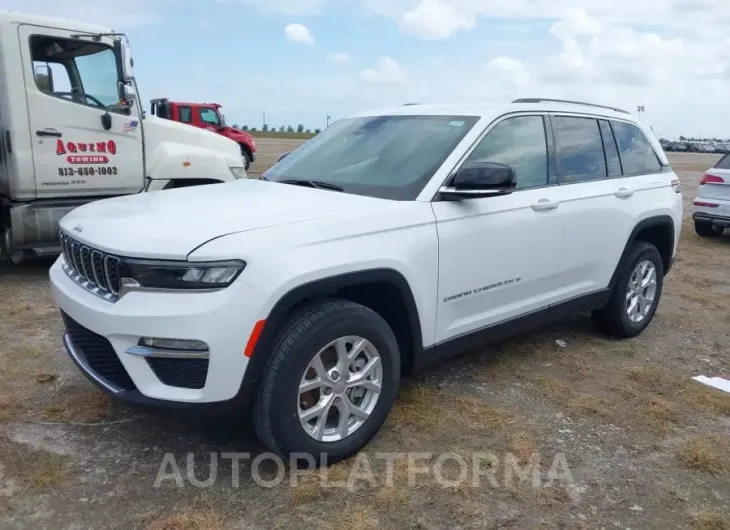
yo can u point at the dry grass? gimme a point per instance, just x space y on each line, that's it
86 406
353 517
43 470
523 446
552 497
706 453
710 521
574 401
200 515
428 410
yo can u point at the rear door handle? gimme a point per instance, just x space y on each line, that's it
49 132
623 193
544 205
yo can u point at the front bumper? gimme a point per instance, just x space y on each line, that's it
99 333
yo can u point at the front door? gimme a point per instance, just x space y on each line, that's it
70 83
498 256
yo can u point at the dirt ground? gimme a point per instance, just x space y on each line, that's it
631 440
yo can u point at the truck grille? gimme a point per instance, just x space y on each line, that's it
93 269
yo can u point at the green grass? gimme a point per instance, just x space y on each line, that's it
278 134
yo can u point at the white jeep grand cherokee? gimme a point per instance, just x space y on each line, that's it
389 240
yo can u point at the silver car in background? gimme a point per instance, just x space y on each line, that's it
712 204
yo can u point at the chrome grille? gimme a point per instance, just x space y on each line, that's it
93 269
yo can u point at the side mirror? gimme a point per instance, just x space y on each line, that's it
125 62
481 179
44 77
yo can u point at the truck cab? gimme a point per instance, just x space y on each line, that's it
205 116
72 130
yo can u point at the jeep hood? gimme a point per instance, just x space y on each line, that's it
171 224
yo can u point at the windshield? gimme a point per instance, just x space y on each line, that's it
391 157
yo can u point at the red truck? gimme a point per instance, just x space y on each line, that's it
205 116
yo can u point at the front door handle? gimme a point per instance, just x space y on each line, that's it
49 132
623 193
544 205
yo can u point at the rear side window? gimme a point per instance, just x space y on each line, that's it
613 162
518 142
186 115
580 149
637 154
724 162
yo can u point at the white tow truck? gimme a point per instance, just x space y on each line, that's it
72 131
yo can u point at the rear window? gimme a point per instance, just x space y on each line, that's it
724 162
637 154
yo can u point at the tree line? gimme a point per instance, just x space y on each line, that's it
282 128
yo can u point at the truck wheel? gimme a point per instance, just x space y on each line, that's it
705 229
329 382
246 157
635 297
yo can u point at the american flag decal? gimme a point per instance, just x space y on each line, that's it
130 126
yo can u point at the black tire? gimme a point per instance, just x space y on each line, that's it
246 157
613 319
707 229
275 414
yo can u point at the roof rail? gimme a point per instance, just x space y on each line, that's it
541 100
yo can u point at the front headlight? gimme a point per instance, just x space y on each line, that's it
239 172
182 275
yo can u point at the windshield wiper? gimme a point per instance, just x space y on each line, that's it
312 184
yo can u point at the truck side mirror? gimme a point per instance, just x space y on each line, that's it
44 77
125 62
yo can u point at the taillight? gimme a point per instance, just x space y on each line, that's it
677 186
711 179
706 204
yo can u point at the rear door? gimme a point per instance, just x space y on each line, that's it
69 83
608 174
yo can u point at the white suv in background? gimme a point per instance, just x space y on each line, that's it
712 203
389 240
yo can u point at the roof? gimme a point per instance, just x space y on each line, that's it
17 17
486 109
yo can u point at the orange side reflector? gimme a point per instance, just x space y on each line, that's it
186 164
254 338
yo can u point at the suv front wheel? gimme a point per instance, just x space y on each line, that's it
635 296
329 383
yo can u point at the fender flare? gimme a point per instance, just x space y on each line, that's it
658 220
322 288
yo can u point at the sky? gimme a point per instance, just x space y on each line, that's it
301 60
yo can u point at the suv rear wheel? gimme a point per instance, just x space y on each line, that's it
329 383
635 296
707 229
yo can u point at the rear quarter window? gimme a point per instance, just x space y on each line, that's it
637 154
724 162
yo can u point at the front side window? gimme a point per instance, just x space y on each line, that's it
210 117
518 142
77 70
391 157
186 115
637 154
580 149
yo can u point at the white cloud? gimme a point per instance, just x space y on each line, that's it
386 72
338 58
299 33
436 19
515 70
